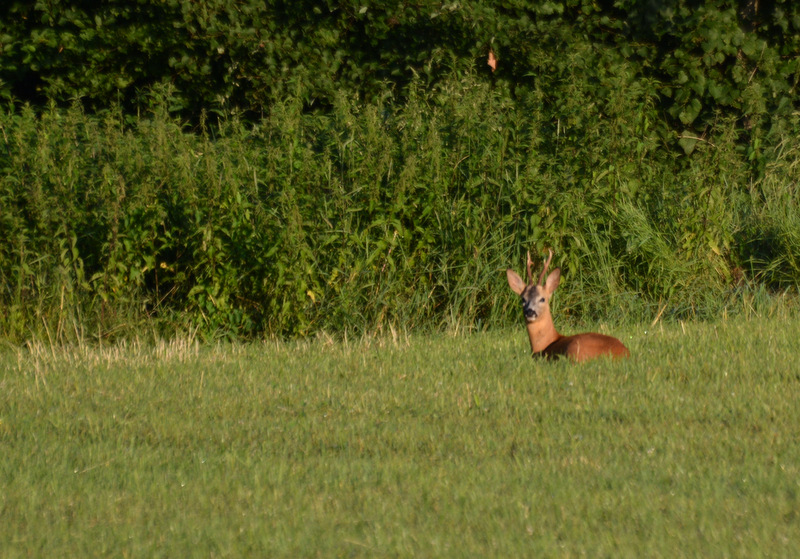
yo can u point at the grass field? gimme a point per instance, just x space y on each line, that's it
437 446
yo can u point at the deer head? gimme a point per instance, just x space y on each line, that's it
535 297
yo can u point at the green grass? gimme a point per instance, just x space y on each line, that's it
406 446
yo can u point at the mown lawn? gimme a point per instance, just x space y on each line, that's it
408 446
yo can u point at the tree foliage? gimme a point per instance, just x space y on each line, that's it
705 59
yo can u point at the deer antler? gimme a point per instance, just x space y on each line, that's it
546 266
530 265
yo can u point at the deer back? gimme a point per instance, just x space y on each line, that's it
582 347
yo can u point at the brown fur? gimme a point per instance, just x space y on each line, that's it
545 339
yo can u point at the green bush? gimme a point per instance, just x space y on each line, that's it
700 61
376 215
242 168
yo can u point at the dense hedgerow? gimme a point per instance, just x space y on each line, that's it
378 215
243 168
717 57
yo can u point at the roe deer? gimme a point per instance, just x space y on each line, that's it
545 340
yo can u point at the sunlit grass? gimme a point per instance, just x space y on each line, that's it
406 445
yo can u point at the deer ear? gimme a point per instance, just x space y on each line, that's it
553 280
515 282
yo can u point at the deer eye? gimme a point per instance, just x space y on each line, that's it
541 300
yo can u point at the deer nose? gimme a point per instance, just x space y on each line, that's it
529 312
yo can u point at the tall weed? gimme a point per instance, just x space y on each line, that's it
377 216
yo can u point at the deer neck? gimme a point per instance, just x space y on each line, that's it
542 333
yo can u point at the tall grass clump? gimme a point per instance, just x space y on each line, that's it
379 215
770 238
